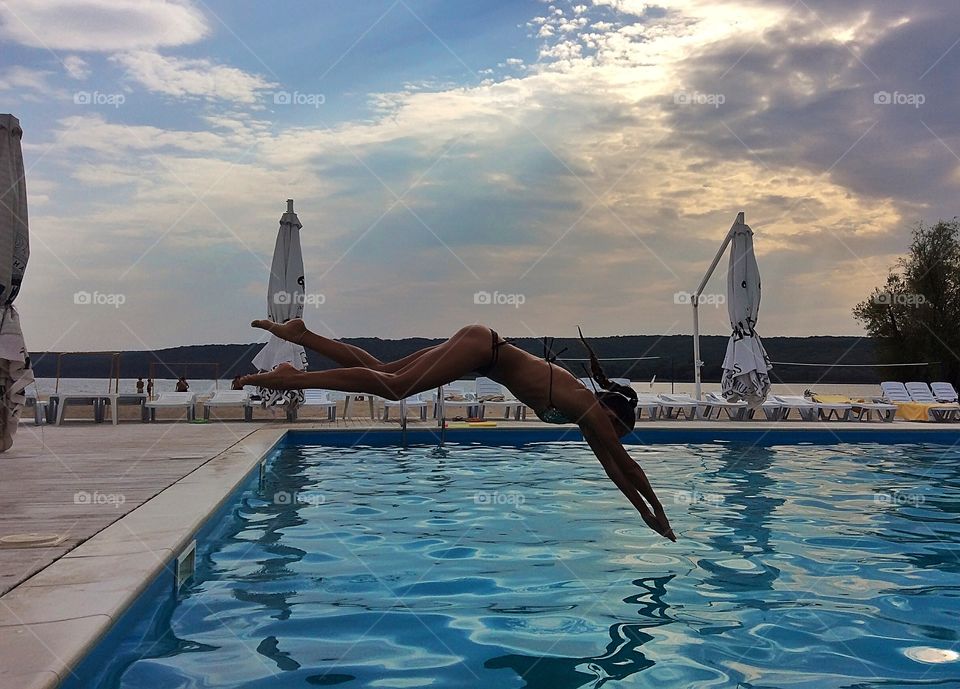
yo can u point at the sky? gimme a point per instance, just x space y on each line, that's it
527 165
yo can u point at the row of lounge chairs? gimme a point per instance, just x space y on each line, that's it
775 408
937 402
918 401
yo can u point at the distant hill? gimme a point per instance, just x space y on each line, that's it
676 362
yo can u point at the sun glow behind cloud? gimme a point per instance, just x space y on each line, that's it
598 179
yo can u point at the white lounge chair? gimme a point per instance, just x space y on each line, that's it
591 385
453 397
839 411
229 398
649 403
944 392
487 388
672 406
885 412
712 402
60 401
810 410
114 400
39 409
805 409
772 410
319 399
412 402
173 400
896 392
829 403
920 392
348 399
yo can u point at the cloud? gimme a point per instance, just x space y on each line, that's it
76 67
94 135
192 78
17 78
101 25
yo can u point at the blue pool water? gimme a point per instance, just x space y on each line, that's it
796 566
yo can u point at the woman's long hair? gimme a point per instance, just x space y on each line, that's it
620 399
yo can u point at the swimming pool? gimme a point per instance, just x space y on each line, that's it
796 566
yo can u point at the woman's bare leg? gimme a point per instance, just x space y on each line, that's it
399 364
344 354
296 331
446 362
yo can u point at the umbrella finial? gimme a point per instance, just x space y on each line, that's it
289 205
740 220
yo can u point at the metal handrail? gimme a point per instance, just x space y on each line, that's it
441 415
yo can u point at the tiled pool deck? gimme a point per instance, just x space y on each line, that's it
123 500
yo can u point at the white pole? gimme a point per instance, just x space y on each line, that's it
696 302
696 348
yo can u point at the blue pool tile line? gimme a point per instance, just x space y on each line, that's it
641 436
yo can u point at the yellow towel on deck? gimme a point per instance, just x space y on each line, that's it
915 411
831 399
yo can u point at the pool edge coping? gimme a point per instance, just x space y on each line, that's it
52 620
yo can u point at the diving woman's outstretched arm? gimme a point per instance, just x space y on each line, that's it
625 473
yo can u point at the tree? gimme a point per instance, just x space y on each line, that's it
915 316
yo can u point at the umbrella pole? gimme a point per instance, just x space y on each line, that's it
696 349
696 303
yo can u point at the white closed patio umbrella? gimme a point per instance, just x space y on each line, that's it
15 371
285 296
746 365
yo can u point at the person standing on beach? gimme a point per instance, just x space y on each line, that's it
150 388
140 385
183 385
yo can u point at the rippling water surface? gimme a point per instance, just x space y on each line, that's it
796 566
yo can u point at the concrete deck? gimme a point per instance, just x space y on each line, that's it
121 501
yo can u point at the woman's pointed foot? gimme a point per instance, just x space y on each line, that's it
291 331
283 377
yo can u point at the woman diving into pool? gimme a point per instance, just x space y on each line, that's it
552 392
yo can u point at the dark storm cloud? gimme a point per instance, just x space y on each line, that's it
799 93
